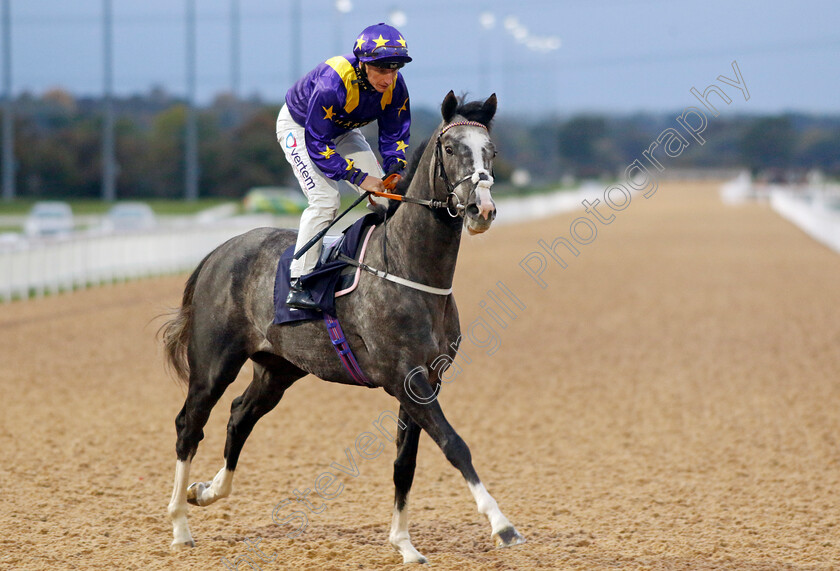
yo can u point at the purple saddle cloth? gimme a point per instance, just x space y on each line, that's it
330 275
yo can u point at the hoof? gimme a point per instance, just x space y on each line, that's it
409 554
194 492
181 545
508 537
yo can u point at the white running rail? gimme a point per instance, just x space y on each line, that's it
50 265
817 214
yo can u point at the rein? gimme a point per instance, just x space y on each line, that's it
428 203
451 203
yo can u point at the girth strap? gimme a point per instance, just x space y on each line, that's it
396 279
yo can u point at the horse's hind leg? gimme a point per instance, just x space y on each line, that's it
207 383
421 404
408 436
261 396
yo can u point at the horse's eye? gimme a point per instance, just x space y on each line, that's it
449 150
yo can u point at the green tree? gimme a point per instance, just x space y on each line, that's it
581 144
247 156
165 153
819 148
768 143
60 162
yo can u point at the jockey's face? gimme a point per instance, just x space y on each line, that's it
380 78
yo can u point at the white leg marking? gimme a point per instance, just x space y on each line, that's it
178 507
488 506
219 488
503 534
400 539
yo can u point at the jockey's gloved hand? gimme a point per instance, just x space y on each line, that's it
394 177
396 168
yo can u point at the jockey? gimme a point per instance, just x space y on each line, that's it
318 128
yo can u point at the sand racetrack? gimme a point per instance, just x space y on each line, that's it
669 401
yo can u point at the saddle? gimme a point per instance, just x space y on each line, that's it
332 277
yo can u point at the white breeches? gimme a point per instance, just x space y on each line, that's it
321 191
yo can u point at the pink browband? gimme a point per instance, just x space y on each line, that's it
459 123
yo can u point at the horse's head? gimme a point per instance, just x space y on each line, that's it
464 160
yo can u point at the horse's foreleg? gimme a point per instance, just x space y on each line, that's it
407 439
420 402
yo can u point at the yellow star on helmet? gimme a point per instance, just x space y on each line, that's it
350 164
360 42
380 41
329 112
401 146
401 41
328 153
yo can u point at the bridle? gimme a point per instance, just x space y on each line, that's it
450 188
452 204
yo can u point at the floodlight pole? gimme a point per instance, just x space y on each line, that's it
296 39
109 167
191 150
235 73
8 107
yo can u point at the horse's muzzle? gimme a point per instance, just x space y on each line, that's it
475 221
483 200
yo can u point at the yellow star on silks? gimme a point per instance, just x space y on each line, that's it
359 42
403 108
329 112
328 153
401 41
350 164
380 41
401 146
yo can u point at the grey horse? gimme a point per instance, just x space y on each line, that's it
397 333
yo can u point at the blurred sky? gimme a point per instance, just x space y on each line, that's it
620 56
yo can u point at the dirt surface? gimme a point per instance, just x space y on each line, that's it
669 401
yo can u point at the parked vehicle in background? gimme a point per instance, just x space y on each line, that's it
129 216
49 218
274 200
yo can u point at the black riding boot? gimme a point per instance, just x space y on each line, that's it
299 297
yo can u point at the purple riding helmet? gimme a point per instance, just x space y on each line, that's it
382 46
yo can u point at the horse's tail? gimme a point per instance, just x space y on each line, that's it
175 333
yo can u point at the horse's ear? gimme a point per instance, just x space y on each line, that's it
449 106
489 109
